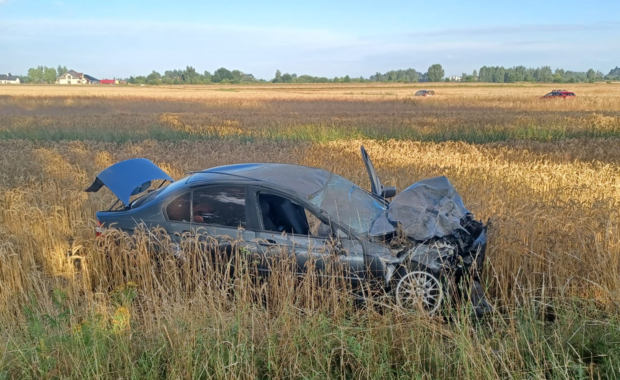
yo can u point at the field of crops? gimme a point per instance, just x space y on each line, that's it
546 173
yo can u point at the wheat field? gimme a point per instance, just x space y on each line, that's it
546 174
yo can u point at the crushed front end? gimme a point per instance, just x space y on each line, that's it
431 232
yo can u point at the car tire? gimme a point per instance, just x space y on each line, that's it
419 290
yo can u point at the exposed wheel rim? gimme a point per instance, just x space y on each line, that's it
419 290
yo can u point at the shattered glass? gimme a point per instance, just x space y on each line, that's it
348 204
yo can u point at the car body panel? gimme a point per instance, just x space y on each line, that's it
427 209
129 177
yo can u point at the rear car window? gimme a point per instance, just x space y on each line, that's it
224 206
179 209
146 198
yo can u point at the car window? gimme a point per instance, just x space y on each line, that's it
348 204
179 209
279 214
219 205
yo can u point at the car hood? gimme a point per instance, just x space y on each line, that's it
428 208
129 177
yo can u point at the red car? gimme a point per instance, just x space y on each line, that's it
559 94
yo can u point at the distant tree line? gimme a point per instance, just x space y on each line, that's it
435 73
294 78
544 74
43 74
190 76
614 74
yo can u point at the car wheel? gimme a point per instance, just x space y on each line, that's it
419 290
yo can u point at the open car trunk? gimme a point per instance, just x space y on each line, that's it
129 177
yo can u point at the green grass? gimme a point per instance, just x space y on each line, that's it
320 132
248 342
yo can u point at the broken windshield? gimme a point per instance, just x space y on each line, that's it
348 204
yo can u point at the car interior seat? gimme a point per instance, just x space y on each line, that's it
282 215
265 211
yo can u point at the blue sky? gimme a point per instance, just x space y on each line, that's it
116 38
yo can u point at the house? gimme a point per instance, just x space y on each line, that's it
9 79
455 78
108 81
73 77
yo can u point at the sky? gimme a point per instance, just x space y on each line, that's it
120 38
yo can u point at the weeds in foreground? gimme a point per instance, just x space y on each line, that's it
142 313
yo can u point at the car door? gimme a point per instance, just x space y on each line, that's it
284 224
376 187
177 212
216 211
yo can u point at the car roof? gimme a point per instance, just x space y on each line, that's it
303 180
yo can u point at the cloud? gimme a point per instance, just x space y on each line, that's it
518 29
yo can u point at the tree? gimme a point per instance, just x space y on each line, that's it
543 74
222 74
278 77
499 74
485 74
49 75
206 77
189 75
591 75
35 74
287 78
61 70
435 73
237 76
613 74
153 78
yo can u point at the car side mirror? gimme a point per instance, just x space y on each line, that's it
388 192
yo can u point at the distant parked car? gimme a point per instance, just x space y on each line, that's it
559 94
425 93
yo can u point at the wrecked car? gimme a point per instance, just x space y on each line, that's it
421 246
425 93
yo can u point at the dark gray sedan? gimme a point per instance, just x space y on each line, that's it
421 246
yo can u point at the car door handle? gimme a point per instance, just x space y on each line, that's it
271 241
